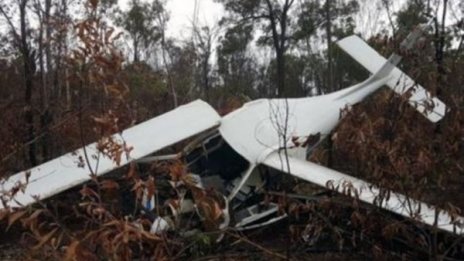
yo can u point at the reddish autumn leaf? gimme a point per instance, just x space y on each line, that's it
109 185
177 170
72 251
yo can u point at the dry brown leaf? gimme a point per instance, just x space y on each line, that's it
71 251
15 217
109 185
150 186
31 221
3 214
44 239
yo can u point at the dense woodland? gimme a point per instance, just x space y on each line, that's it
72 72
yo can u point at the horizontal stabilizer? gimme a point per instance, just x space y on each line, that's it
431 107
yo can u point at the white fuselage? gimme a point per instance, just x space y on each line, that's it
263 126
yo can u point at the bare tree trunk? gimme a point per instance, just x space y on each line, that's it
64 42
48 54
51 90
45 73
205 39
440 47
29 68
206 76
164 51
41 55
136 50
328 29
43 78
279 42
390 19
280 59
276 42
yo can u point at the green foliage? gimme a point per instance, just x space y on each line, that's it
312 18
236 66
290 28
307 21
140 22
236 39
413 14
201 245
147 88
243 8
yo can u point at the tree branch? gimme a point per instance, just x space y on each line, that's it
10 23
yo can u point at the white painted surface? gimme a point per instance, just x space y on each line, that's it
400 82
62 173
397 203
263 126
159 226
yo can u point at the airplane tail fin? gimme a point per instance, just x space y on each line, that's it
431 107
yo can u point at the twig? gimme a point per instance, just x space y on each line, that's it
222 256
246 240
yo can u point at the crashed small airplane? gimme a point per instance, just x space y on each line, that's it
262 132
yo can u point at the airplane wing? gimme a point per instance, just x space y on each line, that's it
63 173
431 107
342 183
